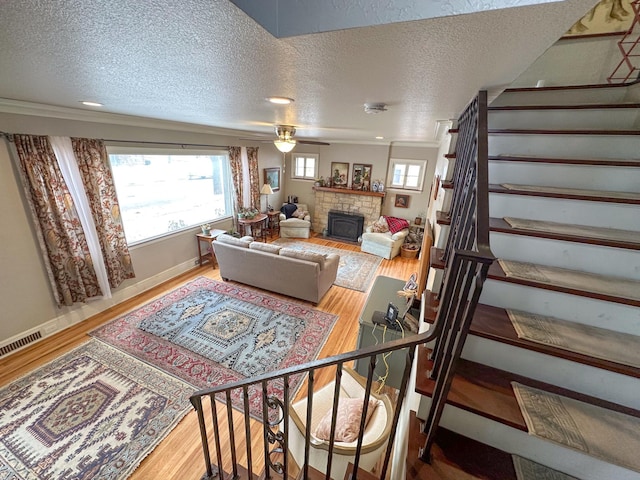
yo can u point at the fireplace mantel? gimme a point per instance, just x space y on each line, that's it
348 191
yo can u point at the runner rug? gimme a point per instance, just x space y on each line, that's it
576 337
611 436
212 333
94 412
355 271
585 281
528 470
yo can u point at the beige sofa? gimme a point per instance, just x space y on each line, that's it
299 274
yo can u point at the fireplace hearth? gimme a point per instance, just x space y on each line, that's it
345 226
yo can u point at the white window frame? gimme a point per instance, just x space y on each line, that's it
136 150
304 157
407 162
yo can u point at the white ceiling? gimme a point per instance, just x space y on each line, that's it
206 62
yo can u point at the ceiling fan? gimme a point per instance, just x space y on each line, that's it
285 141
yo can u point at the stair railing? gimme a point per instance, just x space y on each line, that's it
467 256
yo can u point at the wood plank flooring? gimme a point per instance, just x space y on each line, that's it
179 456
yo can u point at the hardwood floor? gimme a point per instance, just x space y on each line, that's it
179 456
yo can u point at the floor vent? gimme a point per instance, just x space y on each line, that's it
20 343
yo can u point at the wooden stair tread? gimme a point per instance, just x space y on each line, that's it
577 106
497 273
487 391
595 86
455 452
496 188
502 226
612 162
577 131
493 323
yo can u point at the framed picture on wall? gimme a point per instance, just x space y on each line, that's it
402 201
361 176
339 174
272 178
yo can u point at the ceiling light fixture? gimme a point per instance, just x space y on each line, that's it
379 138
280 100
91 104
285 146
375 107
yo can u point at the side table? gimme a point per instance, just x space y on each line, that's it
208 239
257 226
274 222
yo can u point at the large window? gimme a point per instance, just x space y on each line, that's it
406 174
305 166
161 192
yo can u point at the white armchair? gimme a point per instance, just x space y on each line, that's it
294 227
383 243
375 437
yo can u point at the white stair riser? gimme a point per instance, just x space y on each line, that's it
618 262
579 212
589 311
521 443
576 146
616 179
591 119
577 377
560 97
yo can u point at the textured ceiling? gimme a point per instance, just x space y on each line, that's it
208 63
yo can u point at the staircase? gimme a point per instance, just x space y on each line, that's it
564 183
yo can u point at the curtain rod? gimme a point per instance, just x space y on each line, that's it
9 136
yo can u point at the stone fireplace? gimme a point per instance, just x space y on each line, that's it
345 226
354 202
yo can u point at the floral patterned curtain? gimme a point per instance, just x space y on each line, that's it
93 163
254 176
235 161
60 234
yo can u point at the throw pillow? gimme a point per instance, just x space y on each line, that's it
396 224
300 214
265 247
238 242
301 255
348 419
380 226
288 209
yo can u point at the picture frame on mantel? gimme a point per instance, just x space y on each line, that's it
361 177
339 174
272 178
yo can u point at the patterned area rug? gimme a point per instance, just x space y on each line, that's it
211 333
528 470
92 413
611 436
593 341
356 270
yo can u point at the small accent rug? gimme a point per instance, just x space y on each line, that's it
211 333
611 436
572 191
576 230
356 270
596 342
91 413
585 281
528 470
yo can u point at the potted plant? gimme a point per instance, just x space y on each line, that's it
206 229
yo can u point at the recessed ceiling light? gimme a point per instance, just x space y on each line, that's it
91 104
281 100
379 138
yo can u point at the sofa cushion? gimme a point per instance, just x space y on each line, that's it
299 213
301 255
265 247
231 240
396 224
288 209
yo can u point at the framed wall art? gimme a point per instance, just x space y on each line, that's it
339 174
402 201
272 178
361 176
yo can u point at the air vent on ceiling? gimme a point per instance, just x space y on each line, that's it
375 107
20 343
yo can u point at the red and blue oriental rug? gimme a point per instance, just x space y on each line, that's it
210 333
94 412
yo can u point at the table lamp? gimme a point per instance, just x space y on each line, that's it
266 190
